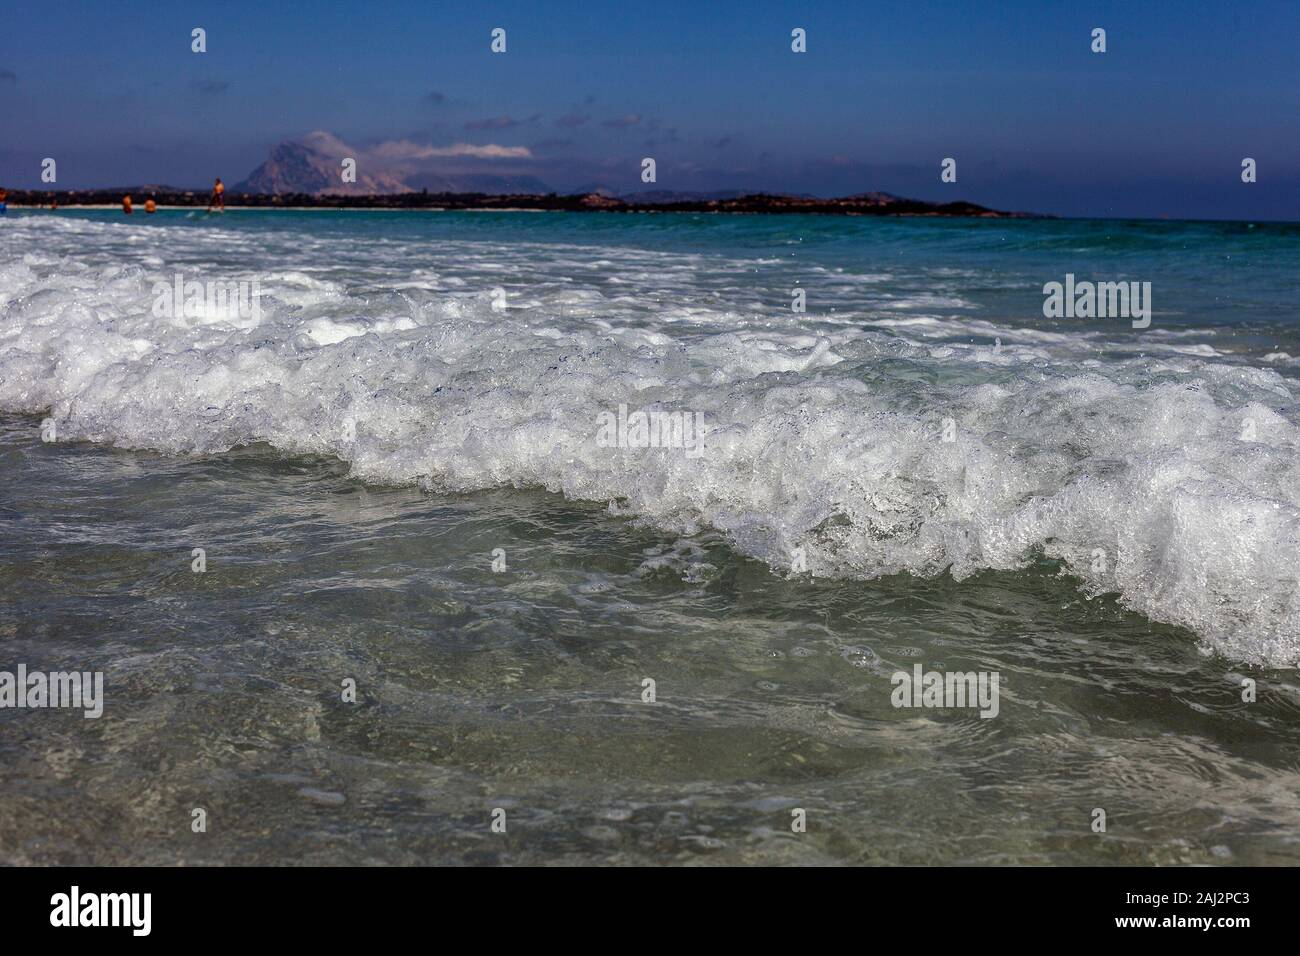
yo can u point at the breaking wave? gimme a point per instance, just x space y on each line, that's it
1165 474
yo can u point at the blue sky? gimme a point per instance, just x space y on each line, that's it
1156 126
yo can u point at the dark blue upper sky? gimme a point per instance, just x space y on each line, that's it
1156 126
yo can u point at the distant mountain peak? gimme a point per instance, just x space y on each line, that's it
313 165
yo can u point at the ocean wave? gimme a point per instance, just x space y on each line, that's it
1169 478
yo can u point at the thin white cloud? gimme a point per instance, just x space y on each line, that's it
403 149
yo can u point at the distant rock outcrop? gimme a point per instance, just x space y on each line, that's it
313 166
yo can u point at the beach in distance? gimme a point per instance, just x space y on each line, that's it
868 204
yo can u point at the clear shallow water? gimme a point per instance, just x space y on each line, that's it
391 428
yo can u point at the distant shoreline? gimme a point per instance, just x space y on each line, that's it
869 204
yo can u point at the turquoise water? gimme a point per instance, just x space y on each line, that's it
919 469
1239 274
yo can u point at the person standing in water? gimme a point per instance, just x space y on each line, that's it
218 200
4 196
126 204
150 206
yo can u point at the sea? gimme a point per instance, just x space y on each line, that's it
454 538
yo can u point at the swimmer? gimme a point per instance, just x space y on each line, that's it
150 206
4 195
218 200
126 205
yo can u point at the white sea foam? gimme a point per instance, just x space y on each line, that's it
1170 478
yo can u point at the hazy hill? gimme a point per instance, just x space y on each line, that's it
313 166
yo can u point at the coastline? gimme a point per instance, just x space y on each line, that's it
868 204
